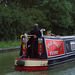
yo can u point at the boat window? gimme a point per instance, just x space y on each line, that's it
72 43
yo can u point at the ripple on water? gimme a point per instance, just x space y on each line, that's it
7 67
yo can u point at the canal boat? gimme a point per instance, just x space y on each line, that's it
51 51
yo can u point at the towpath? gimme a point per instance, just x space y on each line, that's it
10 49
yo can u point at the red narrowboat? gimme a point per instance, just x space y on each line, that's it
50 51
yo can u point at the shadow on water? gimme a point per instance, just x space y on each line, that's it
7 67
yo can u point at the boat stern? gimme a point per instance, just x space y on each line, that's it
31 64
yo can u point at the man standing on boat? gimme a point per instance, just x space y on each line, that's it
34 40
35 31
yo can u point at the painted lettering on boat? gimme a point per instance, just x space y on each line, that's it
51 43
53 52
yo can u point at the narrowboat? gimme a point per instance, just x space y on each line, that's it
51 51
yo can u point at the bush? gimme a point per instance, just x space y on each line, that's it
35 16
11 23
14 22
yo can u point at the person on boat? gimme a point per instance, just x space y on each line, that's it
36 32
34 40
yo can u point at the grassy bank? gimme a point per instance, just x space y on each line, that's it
4 44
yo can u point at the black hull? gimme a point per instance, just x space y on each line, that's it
60 60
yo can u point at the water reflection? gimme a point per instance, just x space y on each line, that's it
29 73
70 71
7 63
7 67
66 69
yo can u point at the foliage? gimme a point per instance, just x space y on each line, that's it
14 23
58 14
35 16
73 16
10 23
19 16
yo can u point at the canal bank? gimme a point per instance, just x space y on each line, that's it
10 49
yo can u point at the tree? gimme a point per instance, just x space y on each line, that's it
58 13
73 16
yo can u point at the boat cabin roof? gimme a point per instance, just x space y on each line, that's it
59 37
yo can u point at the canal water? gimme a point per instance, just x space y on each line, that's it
7 67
